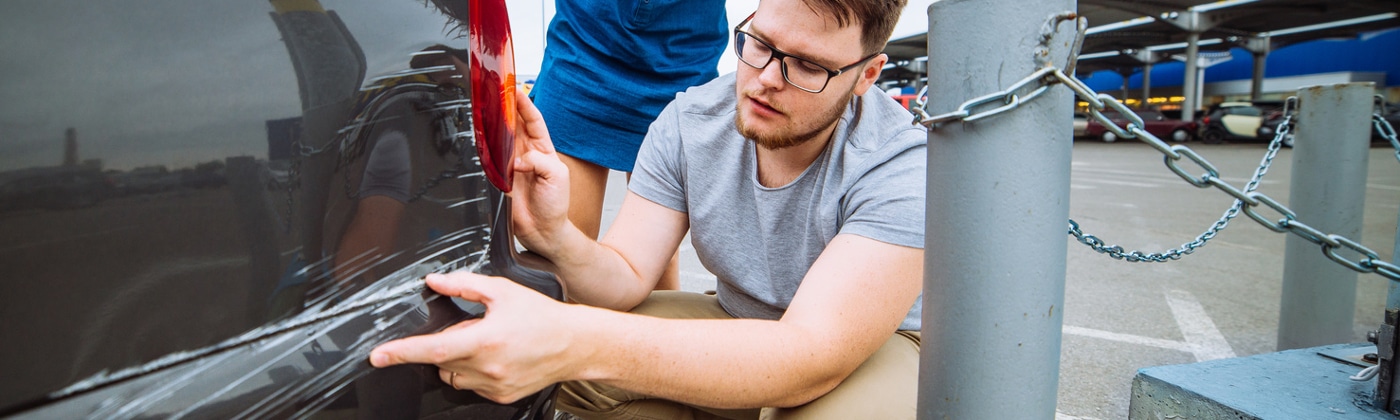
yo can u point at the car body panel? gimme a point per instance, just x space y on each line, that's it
1241 121
1237 120
272 181
1081 125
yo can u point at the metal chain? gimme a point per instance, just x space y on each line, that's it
1117 253
1383 127
1040 80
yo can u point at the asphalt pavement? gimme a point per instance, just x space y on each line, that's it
1221 301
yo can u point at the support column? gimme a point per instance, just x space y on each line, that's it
993 306
1146 83
1146 57
1259 48
1328 192
1188 87
1126 74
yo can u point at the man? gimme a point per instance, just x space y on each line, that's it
803 189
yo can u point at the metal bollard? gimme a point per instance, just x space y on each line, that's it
998 198
1328 193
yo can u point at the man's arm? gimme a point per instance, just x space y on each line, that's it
617 273
852 299
620 271
850 302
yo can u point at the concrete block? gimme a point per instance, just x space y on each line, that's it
1293 384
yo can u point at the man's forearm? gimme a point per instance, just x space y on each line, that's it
594 274
730 363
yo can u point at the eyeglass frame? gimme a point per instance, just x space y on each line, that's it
775 53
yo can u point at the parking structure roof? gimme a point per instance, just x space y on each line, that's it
1161 27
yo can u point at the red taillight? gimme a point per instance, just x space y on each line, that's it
493 90
1205 120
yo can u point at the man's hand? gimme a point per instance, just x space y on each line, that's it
541 189
519 347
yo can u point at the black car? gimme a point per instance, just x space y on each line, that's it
1391 116
215 209
1269 128
1235 121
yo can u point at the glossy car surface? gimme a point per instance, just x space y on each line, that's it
216 209
1154 122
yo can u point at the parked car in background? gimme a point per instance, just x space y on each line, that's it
1154 122
1236 121
909 101
1081 125
1268 129
1392 116
243 205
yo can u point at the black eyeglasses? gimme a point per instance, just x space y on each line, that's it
799 72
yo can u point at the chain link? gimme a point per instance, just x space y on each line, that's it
1242 197
1246 199
1383 127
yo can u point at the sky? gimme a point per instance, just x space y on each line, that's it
529 18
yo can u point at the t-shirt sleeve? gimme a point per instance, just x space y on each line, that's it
387 169
657 175
887 203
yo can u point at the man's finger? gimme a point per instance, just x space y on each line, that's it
538 164
531 123
467 285
424 349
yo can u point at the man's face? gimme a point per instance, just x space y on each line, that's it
776 114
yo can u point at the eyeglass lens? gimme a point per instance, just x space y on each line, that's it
801 73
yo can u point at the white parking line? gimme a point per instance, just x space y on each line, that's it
1203 340
1127 338
1206 341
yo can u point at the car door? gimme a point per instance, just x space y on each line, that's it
1242 121
312 160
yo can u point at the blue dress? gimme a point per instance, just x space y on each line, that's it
611 65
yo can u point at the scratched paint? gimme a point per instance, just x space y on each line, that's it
246 198
296 367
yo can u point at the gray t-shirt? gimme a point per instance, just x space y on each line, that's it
761 241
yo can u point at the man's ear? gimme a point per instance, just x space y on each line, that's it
870 73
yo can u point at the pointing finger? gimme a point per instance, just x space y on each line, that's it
466 285
423 349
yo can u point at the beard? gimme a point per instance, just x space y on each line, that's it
799 132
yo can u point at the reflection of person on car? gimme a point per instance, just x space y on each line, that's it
393 126
385 183
803 190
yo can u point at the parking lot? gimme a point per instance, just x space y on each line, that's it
1221 301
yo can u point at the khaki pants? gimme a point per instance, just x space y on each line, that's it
885 386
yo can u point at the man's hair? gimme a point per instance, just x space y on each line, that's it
875 17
